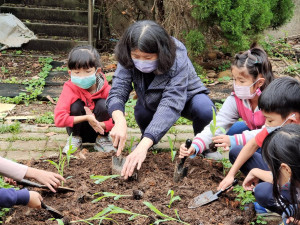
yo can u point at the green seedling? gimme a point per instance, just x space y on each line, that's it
4 70
110 210
164 217
46 118
226 165
244 197
18 52
171 145
99 178
213 125
108 195
172 198
60 166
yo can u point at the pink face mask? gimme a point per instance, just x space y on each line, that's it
244 92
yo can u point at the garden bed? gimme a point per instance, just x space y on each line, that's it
155 180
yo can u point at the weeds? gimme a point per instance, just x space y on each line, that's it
244 197
4 211
46 118
172 198
129 109
12 128
108 195
164 216
99 178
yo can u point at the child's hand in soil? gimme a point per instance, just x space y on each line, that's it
291 219
250 181
50 179
222 141
186 152
34 200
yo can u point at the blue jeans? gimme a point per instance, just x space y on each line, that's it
237 128
263 191
198 109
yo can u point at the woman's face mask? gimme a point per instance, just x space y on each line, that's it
84 82
244 92
145 66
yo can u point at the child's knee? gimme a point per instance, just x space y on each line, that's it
77 108
263 193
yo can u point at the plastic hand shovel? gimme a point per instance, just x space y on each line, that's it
208 197
180 171
117 164
33 184
56 214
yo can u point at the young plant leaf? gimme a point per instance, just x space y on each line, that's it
99 178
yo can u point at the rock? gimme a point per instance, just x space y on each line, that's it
226 73
220 55
218 43
212 55
211 74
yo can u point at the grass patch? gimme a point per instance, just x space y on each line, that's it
14 128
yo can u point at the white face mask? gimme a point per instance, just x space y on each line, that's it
244 92
271 129
145 66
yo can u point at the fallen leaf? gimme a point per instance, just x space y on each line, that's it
81 155
35 65
110 67
35 77
50 134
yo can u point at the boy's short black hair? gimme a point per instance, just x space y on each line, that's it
146 36
282 96
85 56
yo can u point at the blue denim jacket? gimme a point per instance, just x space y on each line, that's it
166 95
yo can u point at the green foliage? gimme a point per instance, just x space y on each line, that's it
224 79
194 42
108 195
46 118
35 86
226 165
224 66
164 217
183 121
18 52
293 69
172 198
99 178
244 197
241 21
60 69
4 70
12 128
213 125
259 220
129 110
201 73
219 105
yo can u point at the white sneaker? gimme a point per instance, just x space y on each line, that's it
76 142
104 144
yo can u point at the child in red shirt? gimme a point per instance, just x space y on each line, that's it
81 105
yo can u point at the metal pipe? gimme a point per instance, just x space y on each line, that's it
90 21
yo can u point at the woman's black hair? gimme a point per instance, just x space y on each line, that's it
283 146
146 36
85 56
281 97
256 61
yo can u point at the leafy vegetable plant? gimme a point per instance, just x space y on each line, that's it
107 195
244 197
99 178
164 216
172 197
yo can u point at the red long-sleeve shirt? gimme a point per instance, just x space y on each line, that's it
72 93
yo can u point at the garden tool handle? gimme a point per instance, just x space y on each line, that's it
235 182
29 183
188 144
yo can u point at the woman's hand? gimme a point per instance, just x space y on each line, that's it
186 152
119 132
95 124
136 158
34 200
250 181
222 141
51 180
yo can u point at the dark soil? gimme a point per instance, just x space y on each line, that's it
155 179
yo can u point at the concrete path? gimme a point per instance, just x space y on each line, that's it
35 142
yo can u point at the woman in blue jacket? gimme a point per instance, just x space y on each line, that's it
166 84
